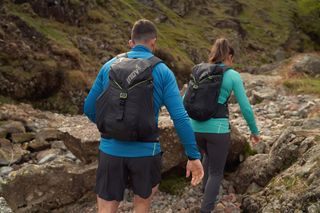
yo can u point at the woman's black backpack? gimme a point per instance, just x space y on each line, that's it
201 98
124 111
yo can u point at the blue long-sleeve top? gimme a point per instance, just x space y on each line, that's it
166 92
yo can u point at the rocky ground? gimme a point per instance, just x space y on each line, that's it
48 160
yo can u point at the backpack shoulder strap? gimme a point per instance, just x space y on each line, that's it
225 68
122 55
154 60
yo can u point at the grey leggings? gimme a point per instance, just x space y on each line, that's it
215 150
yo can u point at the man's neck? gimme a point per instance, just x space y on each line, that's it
145 45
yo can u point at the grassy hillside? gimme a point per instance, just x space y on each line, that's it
50 51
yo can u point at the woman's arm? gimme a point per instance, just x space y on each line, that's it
246 109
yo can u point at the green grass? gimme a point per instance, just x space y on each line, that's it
303 85
49 28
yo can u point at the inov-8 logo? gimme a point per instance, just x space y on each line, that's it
133 74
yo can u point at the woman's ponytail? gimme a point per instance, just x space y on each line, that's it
220 51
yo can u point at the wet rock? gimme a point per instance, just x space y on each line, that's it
48 186
22 137
10 153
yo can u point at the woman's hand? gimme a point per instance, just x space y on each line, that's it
255 139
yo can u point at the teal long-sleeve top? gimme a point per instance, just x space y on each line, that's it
231 82
166 93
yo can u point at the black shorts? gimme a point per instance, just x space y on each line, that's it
115 173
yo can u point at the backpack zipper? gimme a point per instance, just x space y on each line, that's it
141 82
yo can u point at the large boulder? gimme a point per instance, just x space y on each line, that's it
309 64
261 168
41 188
296 188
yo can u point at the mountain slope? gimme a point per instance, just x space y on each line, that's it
50 51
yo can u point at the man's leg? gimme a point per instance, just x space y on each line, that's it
111 180
143 205
105 206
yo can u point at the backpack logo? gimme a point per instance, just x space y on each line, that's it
133 74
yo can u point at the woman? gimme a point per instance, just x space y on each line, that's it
213 135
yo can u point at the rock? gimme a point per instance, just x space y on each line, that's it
313 123
181 7
261 168
9 127
173 152
161 18
4 208
309 64
22 137
5 170
294 185
237 147
58 145
47 158
231 24
314 208
253 188
49 134
38 145
10 153
260 148
48 186
47 155
263 94
79 142
279 54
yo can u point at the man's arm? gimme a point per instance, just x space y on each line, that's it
95 91
173 102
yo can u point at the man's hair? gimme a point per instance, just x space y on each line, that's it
143 30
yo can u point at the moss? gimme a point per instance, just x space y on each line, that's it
248 151
303 85
6 100
174 181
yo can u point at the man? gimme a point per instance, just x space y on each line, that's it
137 161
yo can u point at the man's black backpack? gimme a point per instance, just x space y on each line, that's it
201 98
124 111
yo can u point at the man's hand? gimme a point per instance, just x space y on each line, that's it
255 139
194 167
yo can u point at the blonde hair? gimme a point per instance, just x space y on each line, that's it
220 50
